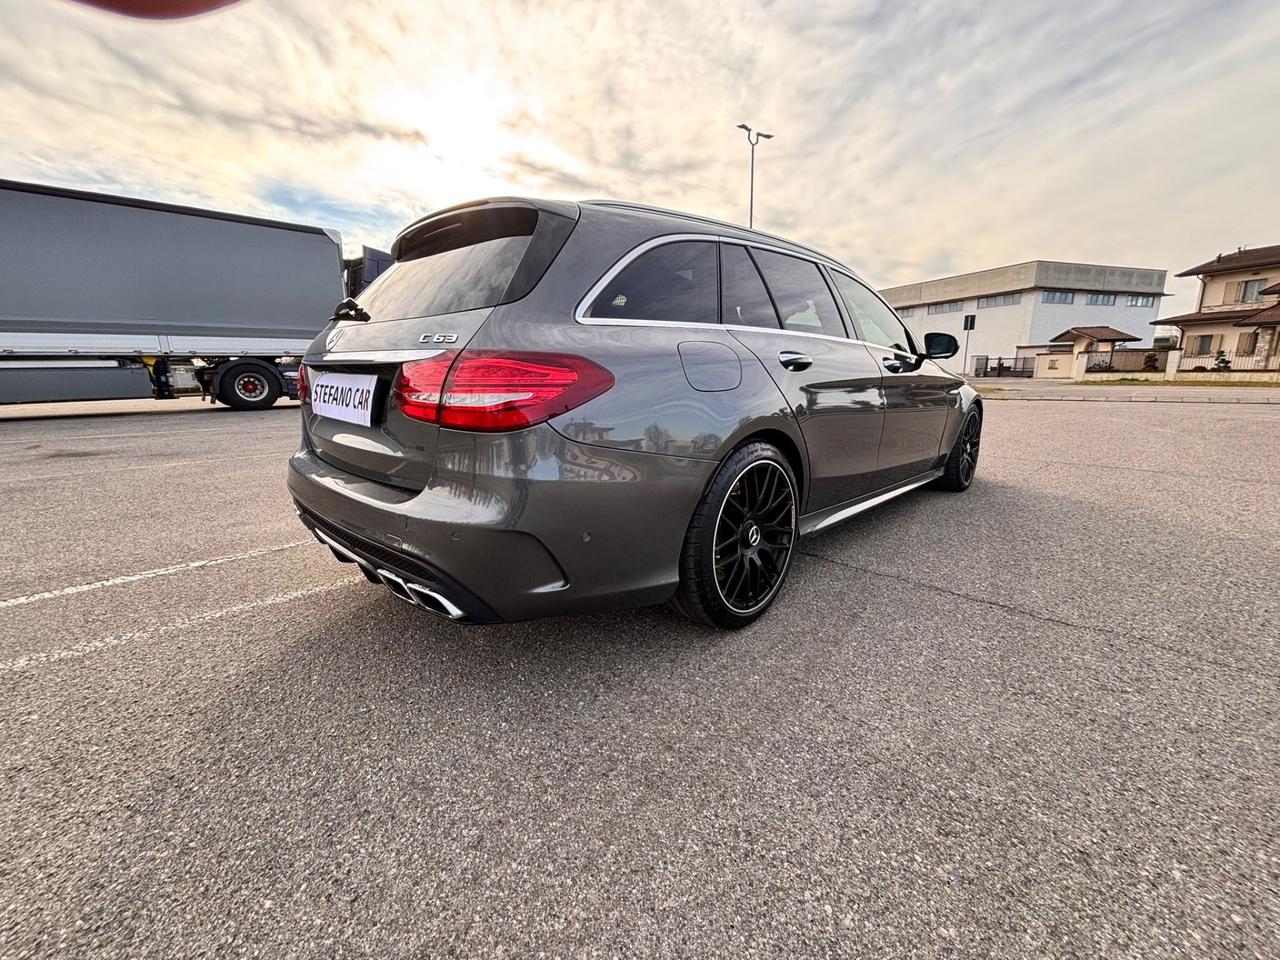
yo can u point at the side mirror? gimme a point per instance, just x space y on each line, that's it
939 346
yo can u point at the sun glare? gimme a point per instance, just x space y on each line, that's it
462 118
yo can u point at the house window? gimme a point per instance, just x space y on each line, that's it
1058 296
1202 345
952 306
1001 300
1251 290
1140 300
1053 364
1101 300
1247 344
906 311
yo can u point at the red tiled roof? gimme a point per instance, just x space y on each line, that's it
1101 334
1209 316
1273 289
1240 260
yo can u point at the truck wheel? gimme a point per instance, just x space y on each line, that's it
248 387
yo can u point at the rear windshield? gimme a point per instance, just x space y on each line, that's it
466 261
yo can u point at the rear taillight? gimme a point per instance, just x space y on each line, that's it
497 390
304 389
420 384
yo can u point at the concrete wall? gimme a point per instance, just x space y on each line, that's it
1019 276
1055 366
1088 276
997 331
1035 349
1236 376
1024 276
1050 319
1153 376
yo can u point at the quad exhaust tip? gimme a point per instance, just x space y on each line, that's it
406 590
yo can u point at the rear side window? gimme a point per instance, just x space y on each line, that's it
878 324
674 282
743 297
466 261
804 300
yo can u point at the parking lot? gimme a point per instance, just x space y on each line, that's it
1038 718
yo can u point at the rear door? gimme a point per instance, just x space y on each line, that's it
449 273
918 394
830 382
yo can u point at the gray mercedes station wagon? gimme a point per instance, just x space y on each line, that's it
545 408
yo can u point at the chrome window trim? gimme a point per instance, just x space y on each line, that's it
584 304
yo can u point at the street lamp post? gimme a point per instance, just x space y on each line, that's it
753 137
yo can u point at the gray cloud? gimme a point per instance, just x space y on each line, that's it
912 139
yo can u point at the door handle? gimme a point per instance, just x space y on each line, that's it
893 364
794 361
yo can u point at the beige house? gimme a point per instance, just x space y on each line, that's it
1056 359
1094 339
1235 322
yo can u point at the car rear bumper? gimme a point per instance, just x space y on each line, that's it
512 526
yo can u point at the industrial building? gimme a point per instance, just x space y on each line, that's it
1027 304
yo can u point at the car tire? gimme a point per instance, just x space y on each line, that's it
249 387
962 463
743 534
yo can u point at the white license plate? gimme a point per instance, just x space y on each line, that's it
343 396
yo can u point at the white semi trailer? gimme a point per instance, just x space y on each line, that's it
105 297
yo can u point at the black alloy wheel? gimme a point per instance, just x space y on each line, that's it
962 463
970 440
754 536
740 540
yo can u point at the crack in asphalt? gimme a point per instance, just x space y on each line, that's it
1260 675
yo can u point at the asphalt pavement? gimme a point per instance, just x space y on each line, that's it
1035 719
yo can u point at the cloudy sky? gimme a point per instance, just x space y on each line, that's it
913 140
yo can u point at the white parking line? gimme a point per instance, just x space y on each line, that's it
93 646
148 574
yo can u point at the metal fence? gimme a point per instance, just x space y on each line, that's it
1003 366
1226 361
1127 361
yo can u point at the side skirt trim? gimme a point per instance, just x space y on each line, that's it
820 521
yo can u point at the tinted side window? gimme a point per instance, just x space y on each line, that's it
803 298
743 297
877 322
676 281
